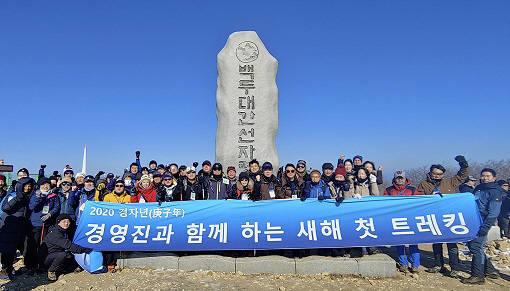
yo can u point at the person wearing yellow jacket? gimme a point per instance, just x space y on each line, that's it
119 195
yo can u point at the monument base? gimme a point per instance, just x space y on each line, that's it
380 265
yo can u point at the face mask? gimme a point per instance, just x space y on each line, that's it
89 188
127 182
45 192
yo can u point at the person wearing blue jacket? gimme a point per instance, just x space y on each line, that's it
64 193
12 223
316 188
76 202
44 208
489 196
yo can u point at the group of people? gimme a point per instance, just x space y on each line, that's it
37 218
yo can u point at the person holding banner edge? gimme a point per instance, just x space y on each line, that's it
435 183
402 187
490 196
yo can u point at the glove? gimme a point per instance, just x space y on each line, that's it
100 173
195 164
45 217
101 186
358 196
373 178
339 199
137 153
43 166
462 161
303 198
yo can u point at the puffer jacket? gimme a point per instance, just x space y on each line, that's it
41 205
445 185
114 198
14 217
149 194
289 188
319 190
401 190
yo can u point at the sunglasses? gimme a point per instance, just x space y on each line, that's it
66 184
119 186
300 166
167 179
192 172
290 171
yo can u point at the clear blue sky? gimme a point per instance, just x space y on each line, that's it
404 83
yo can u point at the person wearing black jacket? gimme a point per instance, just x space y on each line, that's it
58 249
190 188
13 222
468 186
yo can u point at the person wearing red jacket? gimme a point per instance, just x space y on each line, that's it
402 187
145 191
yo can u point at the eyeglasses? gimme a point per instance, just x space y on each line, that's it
119 186
290 171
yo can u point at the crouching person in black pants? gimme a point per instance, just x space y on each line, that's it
58 248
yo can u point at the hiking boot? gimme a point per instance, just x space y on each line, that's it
474 280
111 269
454 274
414 270
402 268
52 276
493 275
437 269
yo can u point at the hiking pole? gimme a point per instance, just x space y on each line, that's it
42 234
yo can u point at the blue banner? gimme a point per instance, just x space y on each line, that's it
278 224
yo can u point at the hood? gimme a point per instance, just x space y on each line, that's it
400 188
22 182
250 185
489 186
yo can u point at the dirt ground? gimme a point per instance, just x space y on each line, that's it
161 279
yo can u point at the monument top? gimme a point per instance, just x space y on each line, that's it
246 102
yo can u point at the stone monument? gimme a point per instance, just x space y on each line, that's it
246 103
